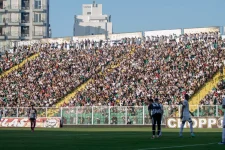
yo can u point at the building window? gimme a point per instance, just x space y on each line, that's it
37 18
88 13
37 4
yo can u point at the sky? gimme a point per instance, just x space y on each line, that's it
141 15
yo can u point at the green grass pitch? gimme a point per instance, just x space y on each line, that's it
107 139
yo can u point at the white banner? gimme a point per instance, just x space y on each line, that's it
26 43
201 122
56 40
199 30
163 32
223 37
96 38
125 35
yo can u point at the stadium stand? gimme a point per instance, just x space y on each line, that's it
9 60
157 68
53 75
182 66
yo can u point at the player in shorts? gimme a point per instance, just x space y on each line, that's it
223 133
185 116
155 113
1 114
32 115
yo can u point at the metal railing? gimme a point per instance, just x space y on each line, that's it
25 21
39 21
25 7
40 7
106 115
25 35
13 33
8 20
14 6
39 33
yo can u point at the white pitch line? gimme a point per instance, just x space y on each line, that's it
178 146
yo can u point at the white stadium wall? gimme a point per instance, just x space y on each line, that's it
96 38
125 35
58 40
223 37
31 42
163 32
199 30
119 36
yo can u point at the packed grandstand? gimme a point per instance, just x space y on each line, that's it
164 67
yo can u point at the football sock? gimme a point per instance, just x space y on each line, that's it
153 129
191 127
159 132
223 135
181 128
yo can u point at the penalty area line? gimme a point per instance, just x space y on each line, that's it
178 146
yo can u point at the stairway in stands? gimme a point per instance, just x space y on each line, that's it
34 56
54 112
207 87
198 96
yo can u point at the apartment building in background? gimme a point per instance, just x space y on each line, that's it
92 21
24 20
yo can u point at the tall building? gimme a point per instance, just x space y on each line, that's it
24 20
92 21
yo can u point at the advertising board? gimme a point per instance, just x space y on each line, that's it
26 43
25 122
96 38
163 32
199 30
56 40
200 122
223 37
125 35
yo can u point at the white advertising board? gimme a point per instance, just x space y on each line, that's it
26 43
125 35
163 32
96 38
58 40
199 30
223 37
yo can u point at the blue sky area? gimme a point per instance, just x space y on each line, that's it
141 15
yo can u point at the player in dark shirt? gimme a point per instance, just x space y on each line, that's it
155 112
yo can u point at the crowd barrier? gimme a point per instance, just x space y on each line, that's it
205 116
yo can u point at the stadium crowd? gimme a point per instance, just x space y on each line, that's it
159 68
54 74
215 96
163 67
9 60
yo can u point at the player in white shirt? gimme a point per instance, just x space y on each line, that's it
1 113
185 116
223 133
32 115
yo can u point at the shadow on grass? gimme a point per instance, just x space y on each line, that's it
104 139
